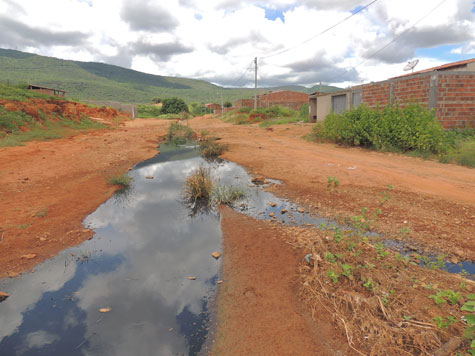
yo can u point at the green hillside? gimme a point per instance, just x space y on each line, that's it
100 81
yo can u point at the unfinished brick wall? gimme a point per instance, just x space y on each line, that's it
287 98
244 103
451 94
376 94
456 100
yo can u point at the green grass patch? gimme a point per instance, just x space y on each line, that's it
148 111
461 148
12 122
15 93
179 134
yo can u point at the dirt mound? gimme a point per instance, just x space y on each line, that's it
51 109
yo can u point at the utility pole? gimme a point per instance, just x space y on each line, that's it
255 83
222 105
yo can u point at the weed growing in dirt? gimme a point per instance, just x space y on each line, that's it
469 332
179 134
332 183
210 148
42 212
123 180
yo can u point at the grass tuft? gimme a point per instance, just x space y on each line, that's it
123 180
199 185
210 148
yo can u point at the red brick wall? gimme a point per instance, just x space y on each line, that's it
248 103
412 89
455 97
456 100
287 98
376 93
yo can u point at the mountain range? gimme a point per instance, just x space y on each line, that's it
105 82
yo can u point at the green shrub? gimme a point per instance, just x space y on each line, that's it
245 109
123 180
173 106
148 111
409 128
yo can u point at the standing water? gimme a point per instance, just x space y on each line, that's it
146 245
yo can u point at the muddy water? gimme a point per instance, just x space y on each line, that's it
146 245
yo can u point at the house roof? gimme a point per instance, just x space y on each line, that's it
34 86
442 67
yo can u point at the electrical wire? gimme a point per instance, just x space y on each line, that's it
321 33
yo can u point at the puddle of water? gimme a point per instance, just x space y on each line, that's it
146 245
466 268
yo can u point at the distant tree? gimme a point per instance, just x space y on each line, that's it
228 104
156 100
173 106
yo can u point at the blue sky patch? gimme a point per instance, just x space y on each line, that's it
356 9
198 17
442 53
274 14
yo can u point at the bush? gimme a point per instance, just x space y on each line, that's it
173 106
412 128
123 180
245 109
148 111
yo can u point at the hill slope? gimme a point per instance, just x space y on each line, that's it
100 81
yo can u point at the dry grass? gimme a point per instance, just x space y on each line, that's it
199 185
384 303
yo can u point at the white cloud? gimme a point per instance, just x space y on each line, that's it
217 40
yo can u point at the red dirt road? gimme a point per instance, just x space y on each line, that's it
48 188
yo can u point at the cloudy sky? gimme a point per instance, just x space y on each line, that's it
217 40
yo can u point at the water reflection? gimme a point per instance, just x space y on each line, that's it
145 246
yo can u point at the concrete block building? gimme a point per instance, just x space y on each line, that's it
448 89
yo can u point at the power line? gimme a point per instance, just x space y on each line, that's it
397 37
321 33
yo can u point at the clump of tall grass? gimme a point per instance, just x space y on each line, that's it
179 134
210 148
199 185
201 188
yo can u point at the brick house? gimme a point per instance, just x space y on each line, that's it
448 89
288 98
214 108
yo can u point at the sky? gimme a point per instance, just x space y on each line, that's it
217 40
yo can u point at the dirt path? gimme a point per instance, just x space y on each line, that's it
432 204
259 313
48 188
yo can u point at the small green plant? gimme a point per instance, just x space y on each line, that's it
385 195
444 323
332 183
382 251
469 332
42 212
123 180
369 284
24 226
405 230
330 257
333 275
445 296
347 270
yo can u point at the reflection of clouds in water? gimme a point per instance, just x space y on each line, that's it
162 188
28 290
39 339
